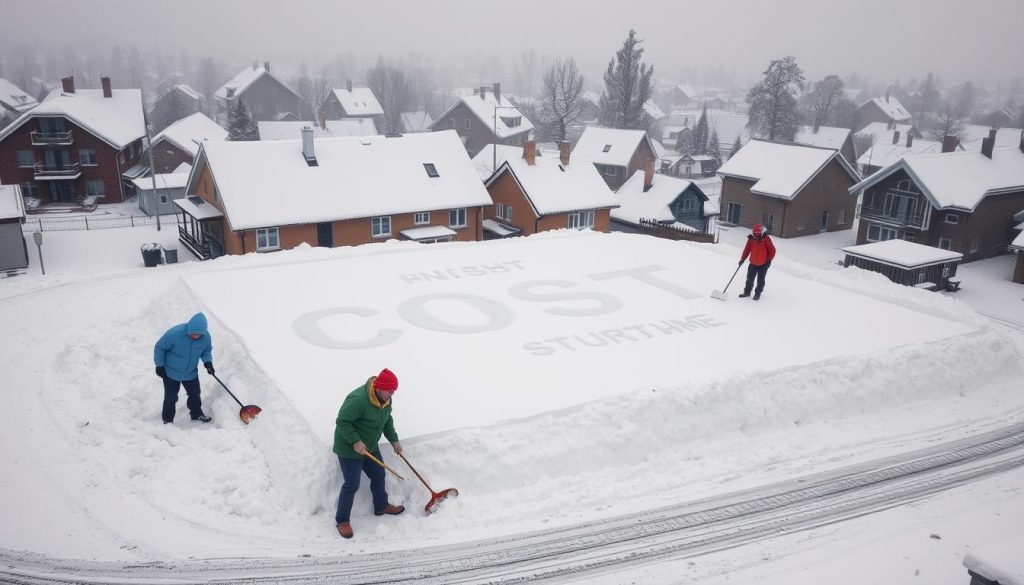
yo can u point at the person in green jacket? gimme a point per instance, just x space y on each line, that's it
362 419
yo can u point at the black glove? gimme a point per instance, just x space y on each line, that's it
740 263
160 371
209 368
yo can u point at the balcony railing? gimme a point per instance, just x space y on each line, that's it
892 216
202 250
52 138
44 171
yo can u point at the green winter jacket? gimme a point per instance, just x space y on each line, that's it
362 418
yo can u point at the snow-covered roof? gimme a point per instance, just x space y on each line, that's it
11 203
780 169
117 120
903 253
13 98
825 136
884 154
891 107
958 180
183 168
197 208
292 129
486 162
430 231
496 227
687 90
358 102
244 79
163 181
269 183
610 146
486 108
187 132
418 121
998 562
653 110
973 134
880 132
594 97
187 90
555 188
1018 242
635 204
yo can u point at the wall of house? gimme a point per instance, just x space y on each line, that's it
266 98
754 206
479 134
907 276
695 218
13 249
1018 267
167 157
506 191
560 221
827 191
876 196
641 155
869 112
988 228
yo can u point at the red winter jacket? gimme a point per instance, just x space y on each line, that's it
761 250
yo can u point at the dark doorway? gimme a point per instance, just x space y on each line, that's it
325 235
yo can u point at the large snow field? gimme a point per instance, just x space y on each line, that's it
676 395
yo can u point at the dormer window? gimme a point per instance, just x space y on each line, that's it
512 121
606 148
431 170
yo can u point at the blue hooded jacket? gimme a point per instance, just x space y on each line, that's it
179 354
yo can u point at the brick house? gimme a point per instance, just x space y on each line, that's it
886 109
534 194
617 154
76 145
664 199
179 142
485 118
264 196
350 102
266 96
792 189
961 201
177 102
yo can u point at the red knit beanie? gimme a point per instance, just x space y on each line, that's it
386 380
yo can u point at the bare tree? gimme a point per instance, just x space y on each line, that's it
134 66
822 98
209 77
394 90
524 72
321 87
773 102
947 121
929 99
627 83
561 103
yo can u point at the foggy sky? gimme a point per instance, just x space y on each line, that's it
880 39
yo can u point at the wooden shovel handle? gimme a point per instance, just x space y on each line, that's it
381 463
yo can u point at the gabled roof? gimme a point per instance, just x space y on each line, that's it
635 204
594 97
687 90
555 188
487 161
244 79
781 169
13 98
188 91
825 136
890 106
880 132
358 102
902 253
163 181
486 108
973 134
418 121
188 132
263 184
958 180
884 154
653 110
118 120
610 146
292 129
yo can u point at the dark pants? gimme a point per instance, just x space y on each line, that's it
759 272
171 388
350 470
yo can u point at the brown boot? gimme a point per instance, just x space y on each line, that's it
389 509
345 530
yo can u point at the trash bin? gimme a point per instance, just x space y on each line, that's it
170 255
151 254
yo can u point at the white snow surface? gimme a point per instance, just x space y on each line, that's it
487 107
118 120
636 204
609 146
825 137
292 130
892 108
1002 562
13 98
359 102
188 132
903 253
552 187
778 169
883 154
11 202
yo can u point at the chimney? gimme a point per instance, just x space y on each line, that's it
105 82
497 92
887 96
896 137
255 65
530 152
563 151
992 134
266 66
230 91
910 140
648 174
987 144
323 119
307 146
949 143
348 85
483 92
68 84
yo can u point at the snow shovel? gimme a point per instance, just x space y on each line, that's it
720 294
247 413
435 497
381 463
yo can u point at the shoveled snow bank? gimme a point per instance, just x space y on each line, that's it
1000 562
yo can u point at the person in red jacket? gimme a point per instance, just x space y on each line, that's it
761 251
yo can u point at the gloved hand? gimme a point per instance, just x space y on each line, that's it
740 263
768 264
160 371
209 368
360 447
397 446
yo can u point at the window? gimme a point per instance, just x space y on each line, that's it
581 220
503 211
452 120
457 218
95 188
767 219
267 239
431 170
909 237
29 190
26 158
975 244
380 226
163 199
421 218
952 218
905 185
945 270
688 205
877 233
608 171
465 124
841 220
606 148
87 157
802 224
920 276
945 243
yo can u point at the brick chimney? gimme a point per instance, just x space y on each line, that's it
910 140
530 152
266 66
648 174
949 143
497 92
896 137
105 82
563 151
987 144
483 92
68 84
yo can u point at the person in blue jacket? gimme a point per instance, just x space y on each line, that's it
177 354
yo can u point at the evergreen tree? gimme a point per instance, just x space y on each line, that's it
684 142
241 126
627 87
700 133
713 148
773 102
736 146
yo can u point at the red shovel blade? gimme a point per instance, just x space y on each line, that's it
249 412
437 497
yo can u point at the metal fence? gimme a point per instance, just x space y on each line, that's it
84 222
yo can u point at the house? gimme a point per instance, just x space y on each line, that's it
960 201
881 109
169 186
13 102
349 102
973 134
840 139
266 97
616 153
77 145
533 194
683 96
418 121
590 113
485 118
272 195
883 154
792 189
670 201
487 161
179 142
177 102
691 166
655 116
907 263
325 129
13 250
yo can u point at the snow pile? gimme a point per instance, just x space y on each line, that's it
1000 562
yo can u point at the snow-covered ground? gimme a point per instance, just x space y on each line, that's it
545 377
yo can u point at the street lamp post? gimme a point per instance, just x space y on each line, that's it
38 237
494 147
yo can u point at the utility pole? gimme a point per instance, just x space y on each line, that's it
152 167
